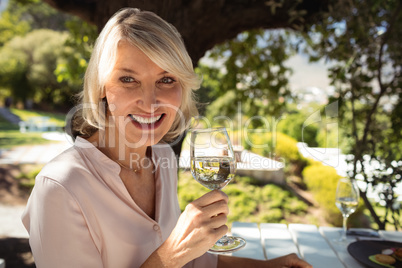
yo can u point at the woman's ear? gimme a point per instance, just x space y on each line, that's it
104 107
104 100
103 93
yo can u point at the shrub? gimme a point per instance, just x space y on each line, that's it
293 126
296 206
272 145
189 189
248 201
276 146
274 196
273 215
242 201
322 181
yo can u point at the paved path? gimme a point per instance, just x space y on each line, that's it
36 154
10 221
10 216
4 112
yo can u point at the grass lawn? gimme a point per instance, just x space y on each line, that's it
55 118
10 135
11 138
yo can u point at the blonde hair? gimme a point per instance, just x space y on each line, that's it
157 39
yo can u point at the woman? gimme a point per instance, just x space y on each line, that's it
110 200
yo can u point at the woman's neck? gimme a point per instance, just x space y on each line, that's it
120 151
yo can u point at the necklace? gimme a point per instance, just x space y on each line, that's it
123 166
148 155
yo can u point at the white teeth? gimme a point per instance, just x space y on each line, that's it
145 120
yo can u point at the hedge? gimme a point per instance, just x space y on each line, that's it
248 201
322 181
276 146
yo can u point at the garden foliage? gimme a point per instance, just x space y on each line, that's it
248 200
277 146
322 181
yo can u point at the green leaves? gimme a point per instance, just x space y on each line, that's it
11 25
253 70
27 64
362 39
39 59
76 53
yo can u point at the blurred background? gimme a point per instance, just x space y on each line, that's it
316 88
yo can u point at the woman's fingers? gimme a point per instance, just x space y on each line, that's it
200 225
290 260
211 197
219 232
218 221
217 208
211 204
209 212
212 216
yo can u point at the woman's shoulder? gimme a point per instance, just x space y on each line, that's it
66 166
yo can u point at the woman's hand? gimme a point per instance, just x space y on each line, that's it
287 261
200 225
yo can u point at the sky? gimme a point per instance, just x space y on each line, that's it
3 4
307 74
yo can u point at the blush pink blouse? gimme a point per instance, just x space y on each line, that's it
80 214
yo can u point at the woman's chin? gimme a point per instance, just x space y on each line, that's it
147 139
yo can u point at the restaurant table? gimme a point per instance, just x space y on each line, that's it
316 245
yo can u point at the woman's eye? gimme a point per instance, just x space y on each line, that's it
167 80
127 79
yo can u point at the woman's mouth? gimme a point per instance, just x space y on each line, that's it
145 123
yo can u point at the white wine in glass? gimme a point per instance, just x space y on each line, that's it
213 164
347 200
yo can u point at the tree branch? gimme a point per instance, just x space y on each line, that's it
203 24
82 9
383 87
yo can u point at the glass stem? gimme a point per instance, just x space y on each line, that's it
224 241
345 219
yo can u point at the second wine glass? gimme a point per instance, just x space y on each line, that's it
213 165
347 199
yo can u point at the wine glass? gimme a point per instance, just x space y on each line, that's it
213 165
347 199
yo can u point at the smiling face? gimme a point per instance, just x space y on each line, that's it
143 99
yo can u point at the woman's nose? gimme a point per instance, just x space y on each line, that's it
148 100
